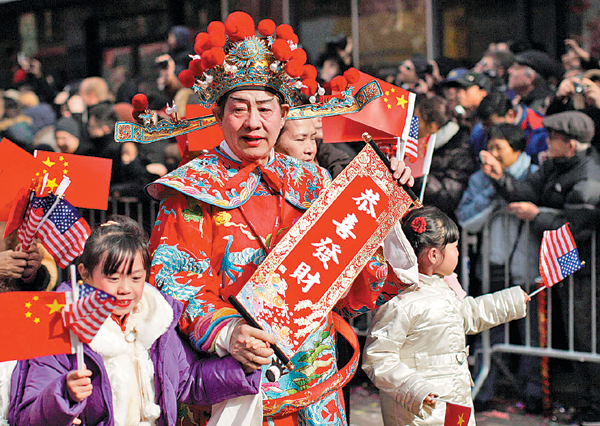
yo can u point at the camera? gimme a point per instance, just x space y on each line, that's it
578 87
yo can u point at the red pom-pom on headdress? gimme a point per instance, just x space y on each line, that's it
215 56
419 225
311 86
216 26
281 50
238 26
202 43
196 66
139 102
352 75
339 83
187 78
217 39
299 55
285 32
309 72
294 68
266 27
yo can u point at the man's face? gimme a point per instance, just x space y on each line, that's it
519 77
298 140
407 73
559 145
95 129
503 152
470 97
66 142
251 121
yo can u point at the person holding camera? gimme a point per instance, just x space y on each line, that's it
580 93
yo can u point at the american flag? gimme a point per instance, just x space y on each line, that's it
63 233
559 257
411 149
86 316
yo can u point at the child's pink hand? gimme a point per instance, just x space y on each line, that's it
79 385
430 400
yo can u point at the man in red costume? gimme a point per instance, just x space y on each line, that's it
224 211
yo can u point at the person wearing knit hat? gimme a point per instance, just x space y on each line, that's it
527 77
67 131
222 212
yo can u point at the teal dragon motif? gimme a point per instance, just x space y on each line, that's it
232 261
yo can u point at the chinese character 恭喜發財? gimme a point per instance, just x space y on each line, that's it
325 252
344 229
302 275
367 201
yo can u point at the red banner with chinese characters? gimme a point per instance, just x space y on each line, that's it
316 262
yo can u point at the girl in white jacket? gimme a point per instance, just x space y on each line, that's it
416 347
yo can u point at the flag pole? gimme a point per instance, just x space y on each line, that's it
427 163
78 344
64 184
539 290
423 185
400 148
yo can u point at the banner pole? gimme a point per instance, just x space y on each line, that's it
367 138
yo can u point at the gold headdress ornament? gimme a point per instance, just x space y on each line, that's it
230 57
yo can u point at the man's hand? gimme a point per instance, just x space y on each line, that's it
79 385
490 165
591 92
566 88
401 172
524 210
13 264
250 346
34 262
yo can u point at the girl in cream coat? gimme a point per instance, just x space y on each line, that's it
416 347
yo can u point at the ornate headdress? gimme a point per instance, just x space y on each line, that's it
231 57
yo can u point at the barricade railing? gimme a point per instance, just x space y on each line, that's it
526 347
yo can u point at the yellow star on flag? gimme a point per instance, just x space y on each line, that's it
51 184
389 106
65 171
28 305
61 158
48 163
461 420
27 314
387 93
37 320
401 102
66 163
55 307
392 90
35 298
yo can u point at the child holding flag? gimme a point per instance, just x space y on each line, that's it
416 350
137 367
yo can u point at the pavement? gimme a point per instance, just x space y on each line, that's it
365 411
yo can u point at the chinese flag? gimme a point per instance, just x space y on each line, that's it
17 170
457 415
32 325
17 211
383 118
90 178
206 138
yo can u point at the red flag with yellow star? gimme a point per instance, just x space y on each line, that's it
90 178
457 415
386 117
32 325
17 170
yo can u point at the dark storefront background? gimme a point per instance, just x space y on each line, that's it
119 39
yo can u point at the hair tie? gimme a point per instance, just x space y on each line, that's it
419 225
110 222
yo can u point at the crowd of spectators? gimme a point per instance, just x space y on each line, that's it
515 133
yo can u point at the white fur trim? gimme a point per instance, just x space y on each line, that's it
128 363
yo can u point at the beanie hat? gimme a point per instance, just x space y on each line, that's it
69 125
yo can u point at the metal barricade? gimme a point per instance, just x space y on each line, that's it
526 347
